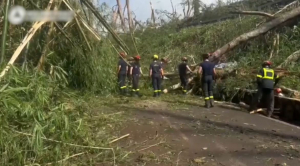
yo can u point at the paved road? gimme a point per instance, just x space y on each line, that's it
197 136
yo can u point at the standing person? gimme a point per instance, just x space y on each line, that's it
156 73
208 74
183 68
135 72
122 72
266 80
129 78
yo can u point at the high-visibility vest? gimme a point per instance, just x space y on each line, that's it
267 78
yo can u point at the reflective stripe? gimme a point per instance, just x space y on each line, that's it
268 74
133 90
155 91
259 76
206 98
211 97
137 90
123 87
158 90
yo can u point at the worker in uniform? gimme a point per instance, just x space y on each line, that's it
129 77
266 80
122 73
183 68
207 69
135 72
156 74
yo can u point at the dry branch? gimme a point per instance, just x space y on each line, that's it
115 140
69 144
258 13
255 33
130 23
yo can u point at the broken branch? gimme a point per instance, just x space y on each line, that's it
257 13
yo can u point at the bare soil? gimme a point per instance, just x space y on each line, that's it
186 134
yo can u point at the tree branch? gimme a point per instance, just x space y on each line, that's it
258 13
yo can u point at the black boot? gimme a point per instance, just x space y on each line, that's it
158 94
207 104
154 94
212 102
137 94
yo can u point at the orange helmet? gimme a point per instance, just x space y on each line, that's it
278 90
122 54
137 57
267 63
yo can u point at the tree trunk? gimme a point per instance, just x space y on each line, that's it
292 58
152 14
130 23
121 15
255 33
196 5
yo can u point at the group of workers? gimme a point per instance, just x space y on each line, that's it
266 79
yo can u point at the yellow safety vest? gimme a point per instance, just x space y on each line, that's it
268 74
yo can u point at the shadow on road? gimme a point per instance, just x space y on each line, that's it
236 128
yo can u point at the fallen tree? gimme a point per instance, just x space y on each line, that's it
255 33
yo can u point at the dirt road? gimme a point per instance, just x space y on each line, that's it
162 134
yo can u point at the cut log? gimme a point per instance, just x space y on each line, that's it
290 92
255 33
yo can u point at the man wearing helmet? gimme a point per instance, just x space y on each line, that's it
207 69
156 73
266 80
122 72
135 72
183 68
129 78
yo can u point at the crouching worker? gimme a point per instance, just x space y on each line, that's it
135 73
183 68
266 80
122 72
207 69
156 74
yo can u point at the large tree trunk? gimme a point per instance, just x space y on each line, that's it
121 15
259 31
292 58
130 23
152 14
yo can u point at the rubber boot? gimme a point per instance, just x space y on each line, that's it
137 93
154 94
207 104
212 102
158 94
